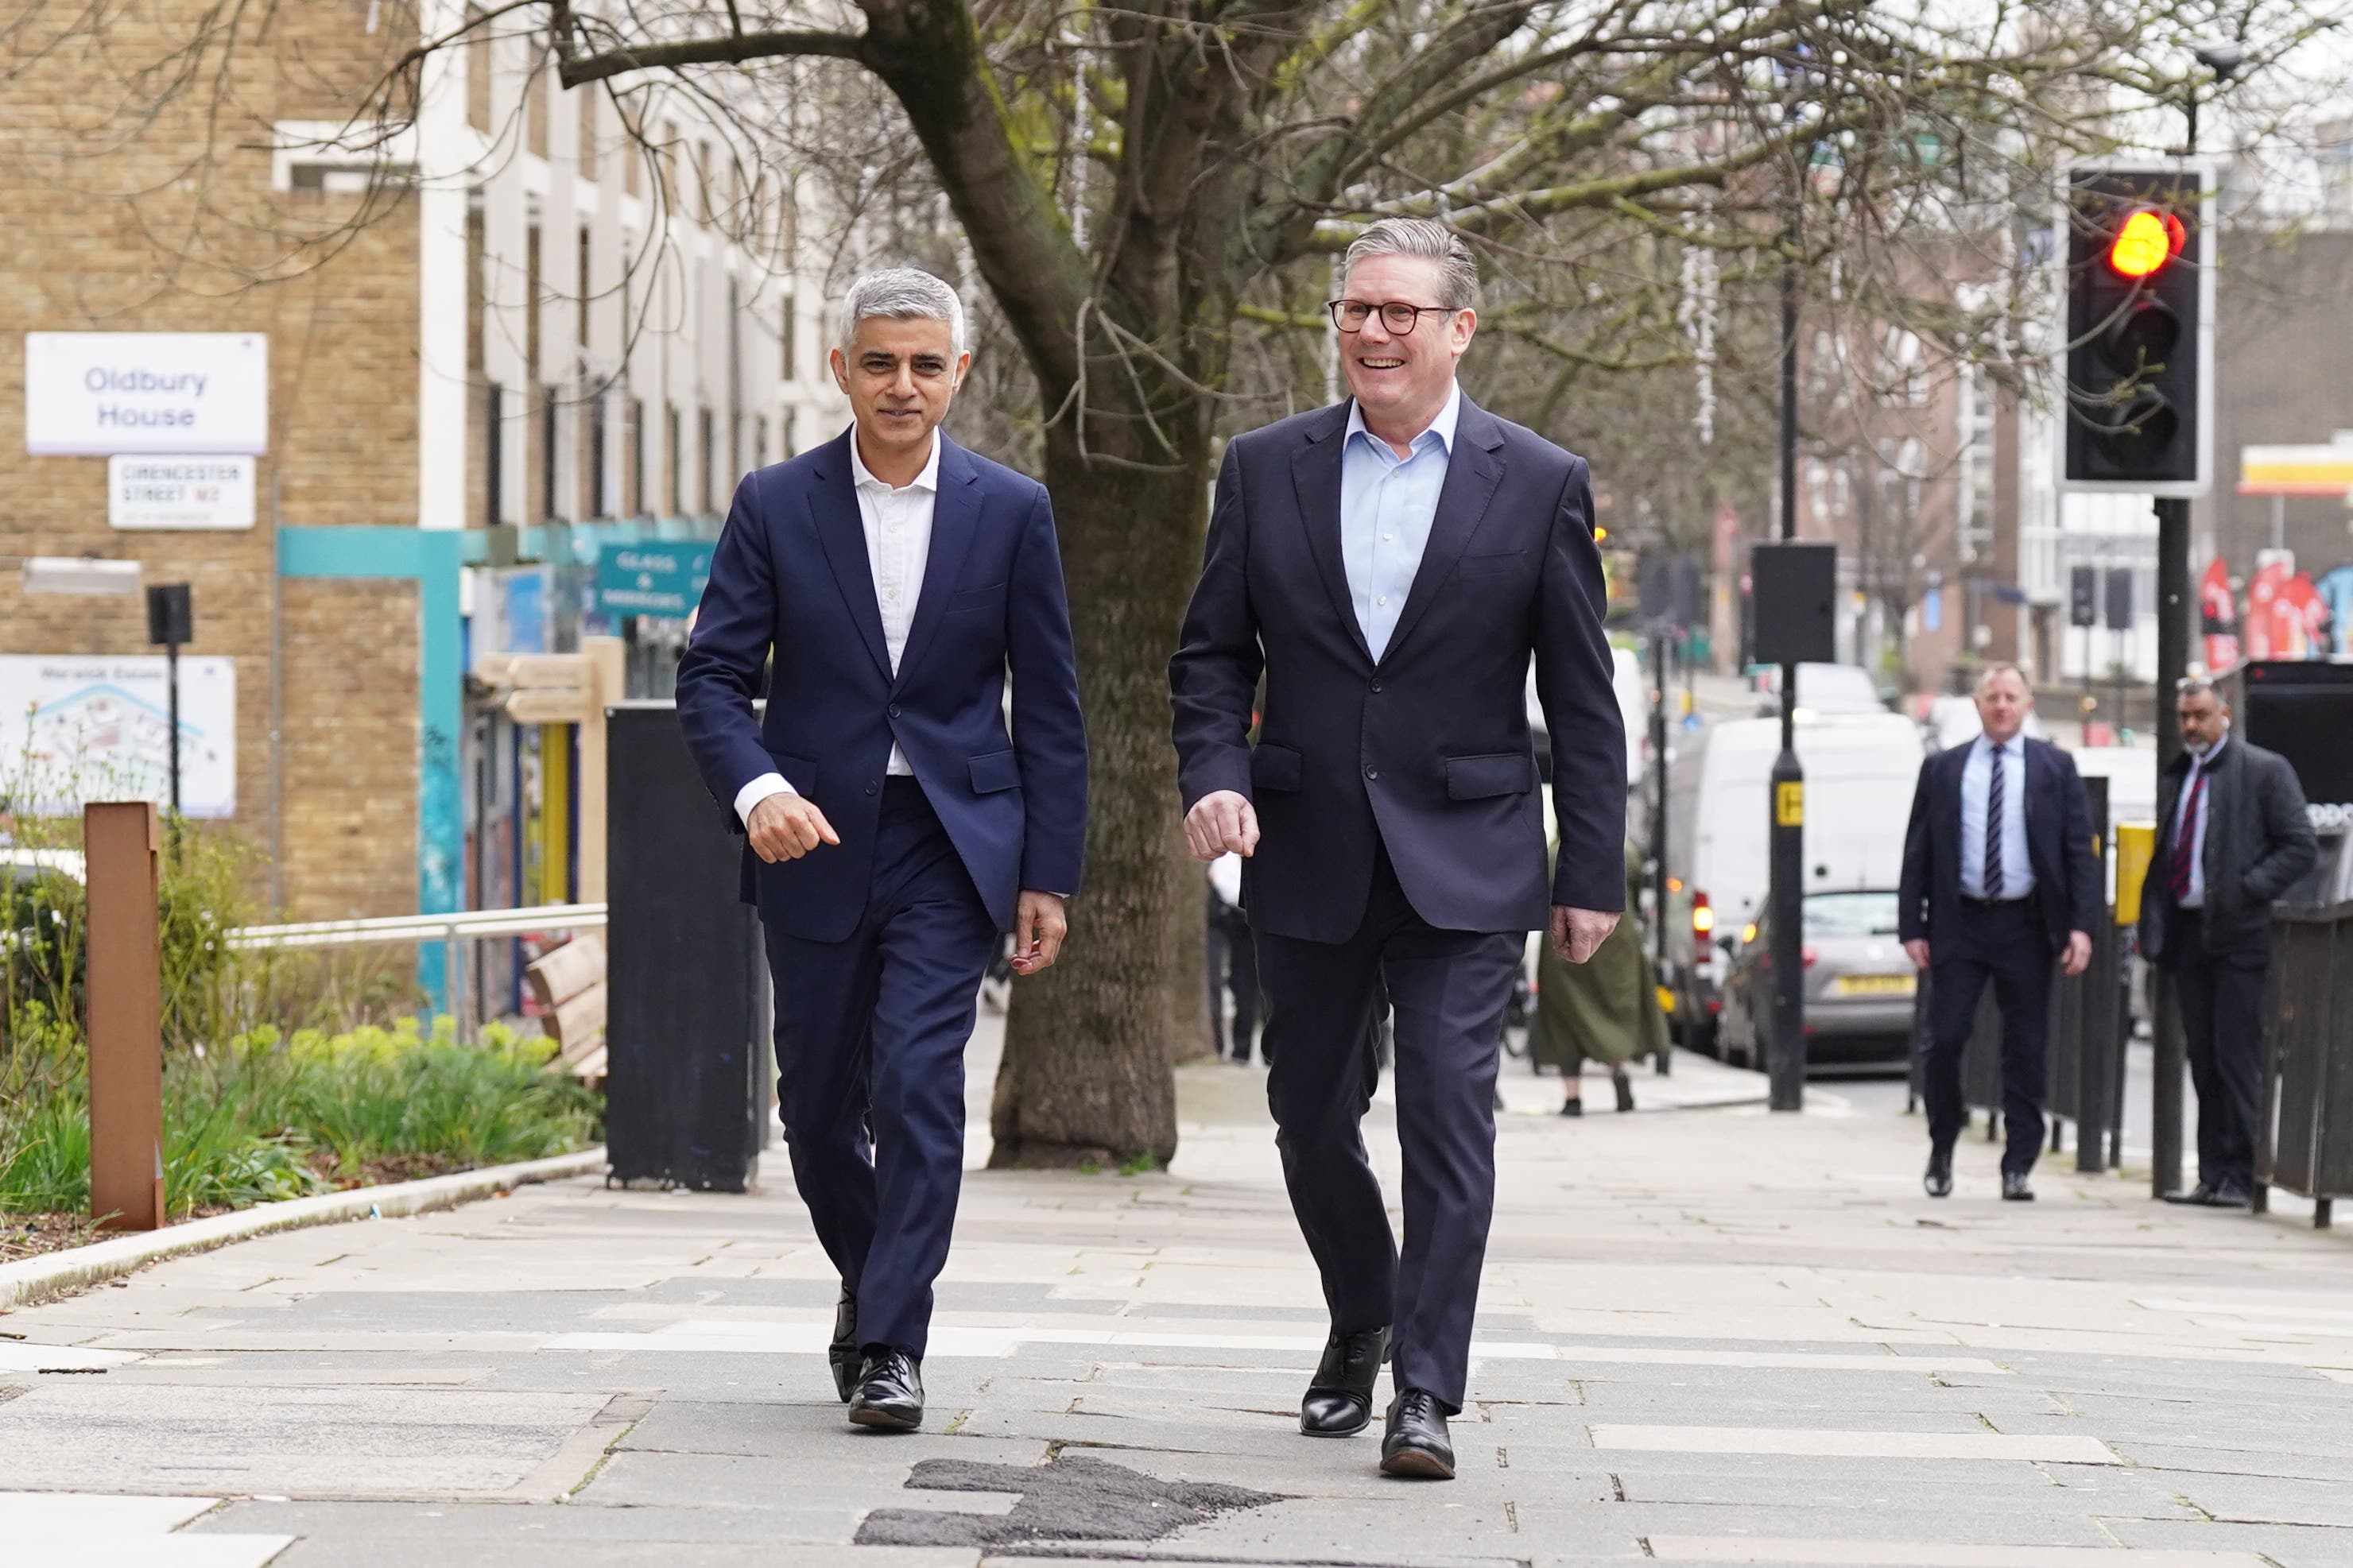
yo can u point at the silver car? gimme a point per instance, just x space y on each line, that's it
1860 986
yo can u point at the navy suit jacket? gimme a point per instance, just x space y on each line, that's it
1426 751
2058 841
791 572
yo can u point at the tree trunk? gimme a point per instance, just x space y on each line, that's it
1085 1077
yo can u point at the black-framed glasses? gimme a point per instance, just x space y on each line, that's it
1399 318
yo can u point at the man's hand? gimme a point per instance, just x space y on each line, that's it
2078 951
786 826
1575 933
1918 948
1222 822
1038 927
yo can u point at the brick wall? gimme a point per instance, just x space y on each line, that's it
155 237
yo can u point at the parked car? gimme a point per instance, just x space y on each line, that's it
1860 773
1822 689
1860 985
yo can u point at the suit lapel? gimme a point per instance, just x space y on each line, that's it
956 510
1472 472
1316 477
833 509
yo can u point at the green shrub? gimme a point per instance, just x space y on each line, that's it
273 1118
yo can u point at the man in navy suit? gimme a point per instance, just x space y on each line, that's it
1998 881
1390 565
894 829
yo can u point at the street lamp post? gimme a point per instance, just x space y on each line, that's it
1788 831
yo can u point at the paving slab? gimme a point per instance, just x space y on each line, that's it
1707 1334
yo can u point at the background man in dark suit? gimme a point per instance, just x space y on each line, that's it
895 828
1998 880
2233 835
1389 564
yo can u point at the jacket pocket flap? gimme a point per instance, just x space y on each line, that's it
1475 778
1481 565
976 598
997 771
1274 768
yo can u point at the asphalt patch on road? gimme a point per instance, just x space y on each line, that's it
1066 1500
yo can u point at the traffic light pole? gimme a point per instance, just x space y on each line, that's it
2172 664
1789 784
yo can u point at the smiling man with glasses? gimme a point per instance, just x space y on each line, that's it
1390 565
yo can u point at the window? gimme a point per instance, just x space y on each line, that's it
789 340
587 154
706 454
674 469
493 454
580 322
549 467
479 68
760 442
599 498
633 453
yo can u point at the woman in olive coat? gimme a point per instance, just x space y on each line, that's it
1604 1010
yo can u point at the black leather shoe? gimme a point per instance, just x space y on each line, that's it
2015 1187
1415 1444
1572 1107
889 1394
1938 1182
1339 1403
2200 1196
843 1351
2229 1195
1625 1087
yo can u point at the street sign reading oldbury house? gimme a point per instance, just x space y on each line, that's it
169 393
651 579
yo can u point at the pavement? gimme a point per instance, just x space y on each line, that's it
1707 1334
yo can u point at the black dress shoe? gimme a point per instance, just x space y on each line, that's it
1339 1403
1938 1182
1625 1087
2229 1195
2015 1187
843 1351
889 1394
1415 1444
2200 1196
1572 1107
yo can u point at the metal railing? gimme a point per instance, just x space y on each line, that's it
452 930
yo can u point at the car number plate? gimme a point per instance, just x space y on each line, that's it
1877 985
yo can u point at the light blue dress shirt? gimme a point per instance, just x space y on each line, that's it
2017 862
1387 505
2196 897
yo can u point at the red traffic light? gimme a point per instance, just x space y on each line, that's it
2146 243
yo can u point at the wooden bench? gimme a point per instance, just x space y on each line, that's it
568 983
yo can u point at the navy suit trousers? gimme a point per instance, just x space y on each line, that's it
1449 989
870 1033
2004 944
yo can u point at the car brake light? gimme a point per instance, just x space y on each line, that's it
1810 955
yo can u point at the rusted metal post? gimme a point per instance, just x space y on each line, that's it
120 840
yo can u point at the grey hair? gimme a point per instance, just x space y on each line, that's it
2198 686
2003 667
1432 241
902 294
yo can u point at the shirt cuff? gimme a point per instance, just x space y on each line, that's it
758 790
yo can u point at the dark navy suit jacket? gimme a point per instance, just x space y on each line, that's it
1427 750
2058 840
791 572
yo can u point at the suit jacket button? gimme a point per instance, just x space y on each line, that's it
894 710
1376 686
869 786
1372 773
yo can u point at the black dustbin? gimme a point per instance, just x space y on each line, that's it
687 1023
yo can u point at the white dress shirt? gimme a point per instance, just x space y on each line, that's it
1386 506
2017 864
2195 899
898 523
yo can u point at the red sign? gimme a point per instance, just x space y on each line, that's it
2219 617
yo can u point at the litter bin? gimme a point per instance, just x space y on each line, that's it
2304 1139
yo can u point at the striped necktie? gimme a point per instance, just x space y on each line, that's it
1995 785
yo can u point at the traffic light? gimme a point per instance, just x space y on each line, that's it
2081 610
2137 351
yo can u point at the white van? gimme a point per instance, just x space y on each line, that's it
1861 770
1631 687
